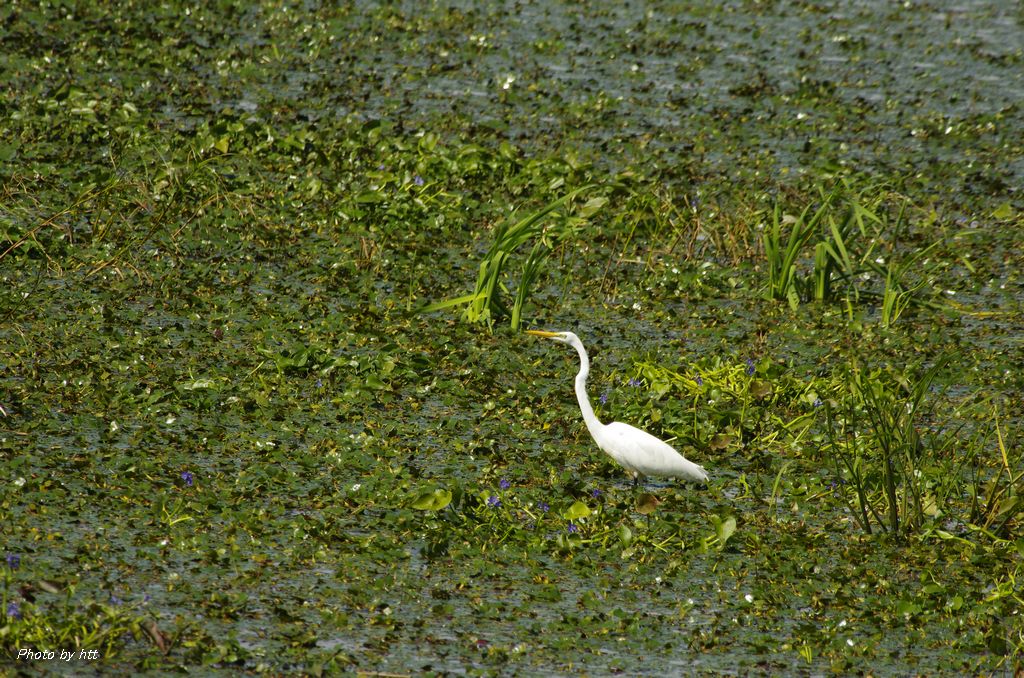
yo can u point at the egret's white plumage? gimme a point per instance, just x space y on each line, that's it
637 451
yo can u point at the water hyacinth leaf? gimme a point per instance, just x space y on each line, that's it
760 389
428 142
593 206
724 529
374 382
1009 506
591 600
907 608
8 151
646 504
576 511
1004 212
198 384
720 441
432 500
370 197
625 535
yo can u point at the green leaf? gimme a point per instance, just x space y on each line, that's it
646 504
793 298
1003 212
625 535
456 301
907 607
593 206
374 382
432 500
724 529
198 384
577 511
8 151
370 197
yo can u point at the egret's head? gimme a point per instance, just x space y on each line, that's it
564 337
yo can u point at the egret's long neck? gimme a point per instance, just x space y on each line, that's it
593 425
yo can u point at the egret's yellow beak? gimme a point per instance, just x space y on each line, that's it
542 333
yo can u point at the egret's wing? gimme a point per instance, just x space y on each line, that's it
641 452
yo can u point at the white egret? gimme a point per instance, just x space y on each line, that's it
637 451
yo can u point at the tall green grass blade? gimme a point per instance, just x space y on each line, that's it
485 303
448 303
531 269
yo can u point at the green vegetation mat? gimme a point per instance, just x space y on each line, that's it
265 404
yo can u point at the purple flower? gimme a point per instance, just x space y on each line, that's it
572 528
634 382
543 506
13 561
595 493
750 367
604 398
817 402
493 501
699 380
187 477
114 600
13 612
418 180
504 484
